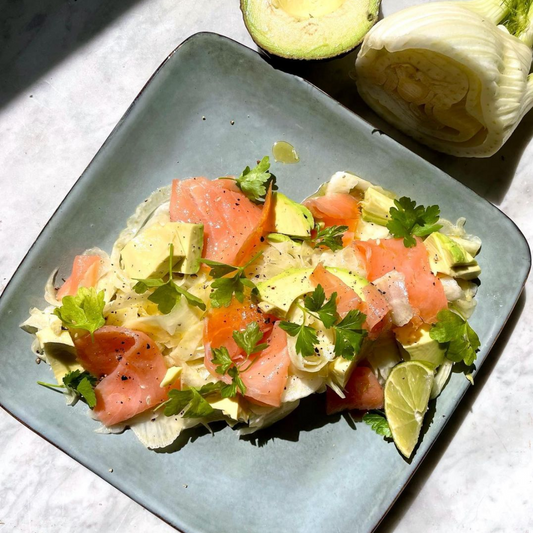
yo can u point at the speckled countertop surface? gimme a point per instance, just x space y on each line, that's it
69 71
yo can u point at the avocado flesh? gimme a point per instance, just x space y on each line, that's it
376 206
280 291
309 29
447 256
424 348
292 218
147 254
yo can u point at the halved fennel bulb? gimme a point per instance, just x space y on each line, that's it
448 75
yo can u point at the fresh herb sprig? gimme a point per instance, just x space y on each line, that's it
80 383
191 401
225 286
409 220
167 293
248 340
460 339
349 332
330 237
82 311
378 423
254 183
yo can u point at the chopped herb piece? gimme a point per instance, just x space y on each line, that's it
408 219
378 423
330 237
191 401
461 340
306 338
248 339
83 311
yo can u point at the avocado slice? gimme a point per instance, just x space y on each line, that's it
292 218
376 205
448 257
424 348
280 291
146 255
309 29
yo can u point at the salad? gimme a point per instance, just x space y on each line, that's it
226 300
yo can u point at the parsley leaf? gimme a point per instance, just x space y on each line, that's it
330 237
378 423
254 182
229 391
349 334
306 338
225 287
221 360
80 383
191 401
167 293
327 312
408 219
219 269
248 339
82 311
461 340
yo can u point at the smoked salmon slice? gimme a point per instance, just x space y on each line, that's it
228 216
132 367
336 209
363 392
85 271
266 379
425 291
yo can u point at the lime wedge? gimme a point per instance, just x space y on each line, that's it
407 393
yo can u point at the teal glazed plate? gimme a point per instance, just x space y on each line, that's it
212 108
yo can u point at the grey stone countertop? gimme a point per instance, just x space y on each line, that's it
69 70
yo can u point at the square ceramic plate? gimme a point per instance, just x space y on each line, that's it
300 475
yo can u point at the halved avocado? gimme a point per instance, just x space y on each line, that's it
309 29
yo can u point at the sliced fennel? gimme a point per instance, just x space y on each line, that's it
453 75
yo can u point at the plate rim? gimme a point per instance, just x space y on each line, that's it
444 175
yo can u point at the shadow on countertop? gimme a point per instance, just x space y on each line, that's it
35 35
489 177
408 496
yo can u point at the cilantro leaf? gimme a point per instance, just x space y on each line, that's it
349 334
191 401
254 182
461 340
378 423
222 360
82 311
248 339
408 219
330 237
306 338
